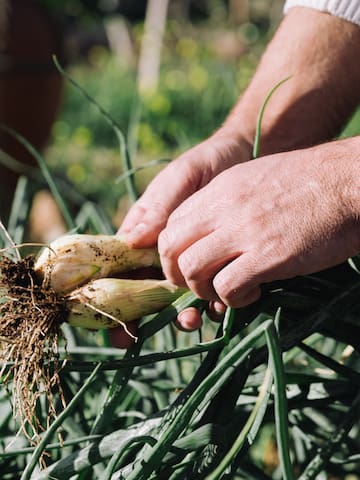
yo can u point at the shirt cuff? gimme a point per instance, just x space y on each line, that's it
346 9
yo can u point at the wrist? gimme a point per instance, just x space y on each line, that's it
337 164
230 142
350 181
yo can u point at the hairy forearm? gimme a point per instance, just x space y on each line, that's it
320 53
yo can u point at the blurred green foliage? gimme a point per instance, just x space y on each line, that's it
196 90
193 98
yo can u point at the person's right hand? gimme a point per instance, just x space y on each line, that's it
175 183
181 178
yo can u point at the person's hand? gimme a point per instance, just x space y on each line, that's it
180 179
272 218
176 182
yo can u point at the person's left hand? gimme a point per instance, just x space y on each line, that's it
269 219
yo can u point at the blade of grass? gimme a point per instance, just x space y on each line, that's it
90 215
96 452
128 361
116 458
250 428
115 442
281 409
50 446
355 263
46 173
151 163
124 152
339 368
9 242
151 458
14 165
169 342
39 450
136 112
122 376
344 461
19 211
256 147
323 455
131 360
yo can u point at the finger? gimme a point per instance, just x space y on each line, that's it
174 240
215 310
238 284
133 217
150 213
250 297
119 338
142 226
189 320
202 260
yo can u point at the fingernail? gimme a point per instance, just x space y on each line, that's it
186 321
136 232
122 231
219 307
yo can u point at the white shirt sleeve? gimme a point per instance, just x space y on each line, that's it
346 9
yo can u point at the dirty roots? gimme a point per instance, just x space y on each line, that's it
31 316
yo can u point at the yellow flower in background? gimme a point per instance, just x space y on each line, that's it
82 136
76 173
187 48
175 80
149 141
198 77
158 103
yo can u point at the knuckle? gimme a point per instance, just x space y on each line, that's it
137 211
187 266
229 291
165 244
223 286
158 209
195 278
139 208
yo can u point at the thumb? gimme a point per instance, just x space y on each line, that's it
148 216
141 227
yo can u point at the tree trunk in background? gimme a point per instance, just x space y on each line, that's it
150 54
239 11
119 39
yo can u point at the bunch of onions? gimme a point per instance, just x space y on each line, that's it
73 280
83 269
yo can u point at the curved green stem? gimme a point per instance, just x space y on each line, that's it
52 429
125 156
256 147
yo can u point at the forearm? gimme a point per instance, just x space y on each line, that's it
320 53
